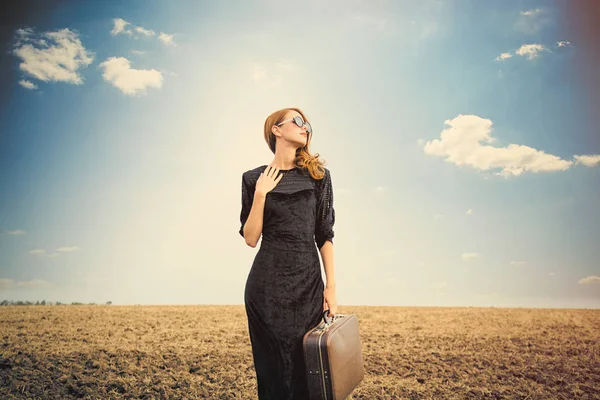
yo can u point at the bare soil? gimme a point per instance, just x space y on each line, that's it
203 352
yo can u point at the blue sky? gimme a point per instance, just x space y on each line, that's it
464 165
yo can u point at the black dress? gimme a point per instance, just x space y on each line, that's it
284 290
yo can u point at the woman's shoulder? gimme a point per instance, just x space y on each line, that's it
326 175
254 172
296 175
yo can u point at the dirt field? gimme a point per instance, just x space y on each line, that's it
186 352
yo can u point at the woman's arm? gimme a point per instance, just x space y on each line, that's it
327 256
253 206
324 226
254 224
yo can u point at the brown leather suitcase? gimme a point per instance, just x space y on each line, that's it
333 357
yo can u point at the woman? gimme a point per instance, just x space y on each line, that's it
289 202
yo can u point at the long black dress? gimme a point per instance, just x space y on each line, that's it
284 289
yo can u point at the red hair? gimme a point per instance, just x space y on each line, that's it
304 159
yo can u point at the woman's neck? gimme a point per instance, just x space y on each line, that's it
284 163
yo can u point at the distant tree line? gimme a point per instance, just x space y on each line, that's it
44 303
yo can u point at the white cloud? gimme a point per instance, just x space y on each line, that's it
518 262
590 280
27 84
532 21
8 284
138 52
530 51
438 216
42 252
463 143
563 43
144 31
504 56
588 160
16 232
118 72
167 72
71 248
469 212
551 274
469 256
167 39
531 13
58 62
24 33
119 25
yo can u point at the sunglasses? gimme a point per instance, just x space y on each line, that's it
300 122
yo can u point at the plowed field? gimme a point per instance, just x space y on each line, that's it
203 352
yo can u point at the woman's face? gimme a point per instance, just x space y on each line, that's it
292 132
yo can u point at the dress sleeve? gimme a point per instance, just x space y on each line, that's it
325 212
247 196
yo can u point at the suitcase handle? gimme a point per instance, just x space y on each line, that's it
331 319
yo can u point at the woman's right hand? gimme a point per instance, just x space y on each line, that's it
268 180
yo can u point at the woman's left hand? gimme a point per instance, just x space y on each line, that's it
330 301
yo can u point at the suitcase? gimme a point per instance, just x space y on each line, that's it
333 357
